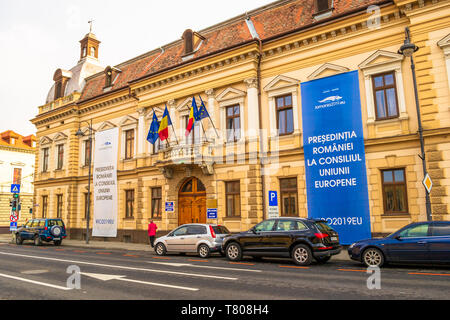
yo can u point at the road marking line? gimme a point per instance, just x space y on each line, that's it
294 267
130 255
79 251
162 258
193 260
243 263
105 277
120 267
35 282
105 253
197 266
430 274
352 270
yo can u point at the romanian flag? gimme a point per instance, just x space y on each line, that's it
164 125
192 117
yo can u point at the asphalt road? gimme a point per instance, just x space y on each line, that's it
41 273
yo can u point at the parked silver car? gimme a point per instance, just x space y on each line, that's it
203 239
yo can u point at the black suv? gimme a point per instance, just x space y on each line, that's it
297 238
39 230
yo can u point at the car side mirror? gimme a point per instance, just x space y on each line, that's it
398 237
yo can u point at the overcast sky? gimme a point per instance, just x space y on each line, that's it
38 37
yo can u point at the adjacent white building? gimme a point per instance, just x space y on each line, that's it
17 162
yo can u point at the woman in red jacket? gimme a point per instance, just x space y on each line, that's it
152 232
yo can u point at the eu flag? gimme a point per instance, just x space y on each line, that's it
202 112
153 133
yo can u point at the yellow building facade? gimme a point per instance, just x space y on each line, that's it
248 72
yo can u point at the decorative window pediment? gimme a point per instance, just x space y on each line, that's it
158 110
444 44
45 141
229 94
127 121
281 82
326 70
60 137
106 126
381 58
185 105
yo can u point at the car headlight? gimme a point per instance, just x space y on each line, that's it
352 246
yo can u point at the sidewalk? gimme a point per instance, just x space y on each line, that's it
7 238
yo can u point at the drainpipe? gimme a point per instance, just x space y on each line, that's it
256 37
261 142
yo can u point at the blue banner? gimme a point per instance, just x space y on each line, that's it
336 178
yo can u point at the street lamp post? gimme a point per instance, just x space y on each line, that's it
407 50
80 134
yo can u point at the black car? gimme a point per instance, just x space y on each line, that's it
418 243
297 238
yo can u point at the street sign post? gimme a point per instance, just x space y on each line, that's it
273 211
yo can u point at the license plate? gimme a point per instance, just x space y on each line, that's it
56 238
334 239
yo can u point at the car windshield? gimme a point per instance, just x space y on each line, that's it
220 230
51 223
323 226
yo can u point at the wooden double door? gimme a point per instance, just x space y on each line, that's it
192 202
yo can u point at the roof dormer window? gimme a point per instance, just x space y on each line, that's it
192 42
188 37
111 74
323 9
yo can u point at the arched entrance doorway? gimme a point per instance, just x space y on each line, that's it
192 202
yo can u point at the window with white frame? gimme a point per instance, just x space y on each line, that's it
383 81
231 114
283 106
129 133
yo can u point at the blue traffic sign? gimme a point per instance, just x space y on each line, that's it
169 207
13 226
15 188
211 213
273 199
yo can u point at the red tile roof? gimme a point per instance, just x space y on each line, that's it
269 21
20 142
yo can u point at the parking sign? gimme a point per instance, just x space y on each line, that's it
273 199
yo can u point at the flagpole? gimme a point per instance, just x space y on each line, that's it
210 118
204 133
173 129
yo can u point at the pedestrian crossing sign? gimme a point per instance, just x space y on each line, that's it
15 188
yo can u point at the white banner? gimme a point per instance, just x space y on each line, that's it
105 183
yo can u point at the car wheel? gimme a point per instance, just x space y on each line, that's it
37 240
160 249
19 239
57 242
373 257
301 255
233 252
203 251
322 259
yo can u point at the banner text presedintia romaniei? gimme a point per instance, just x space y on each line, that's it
336 178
